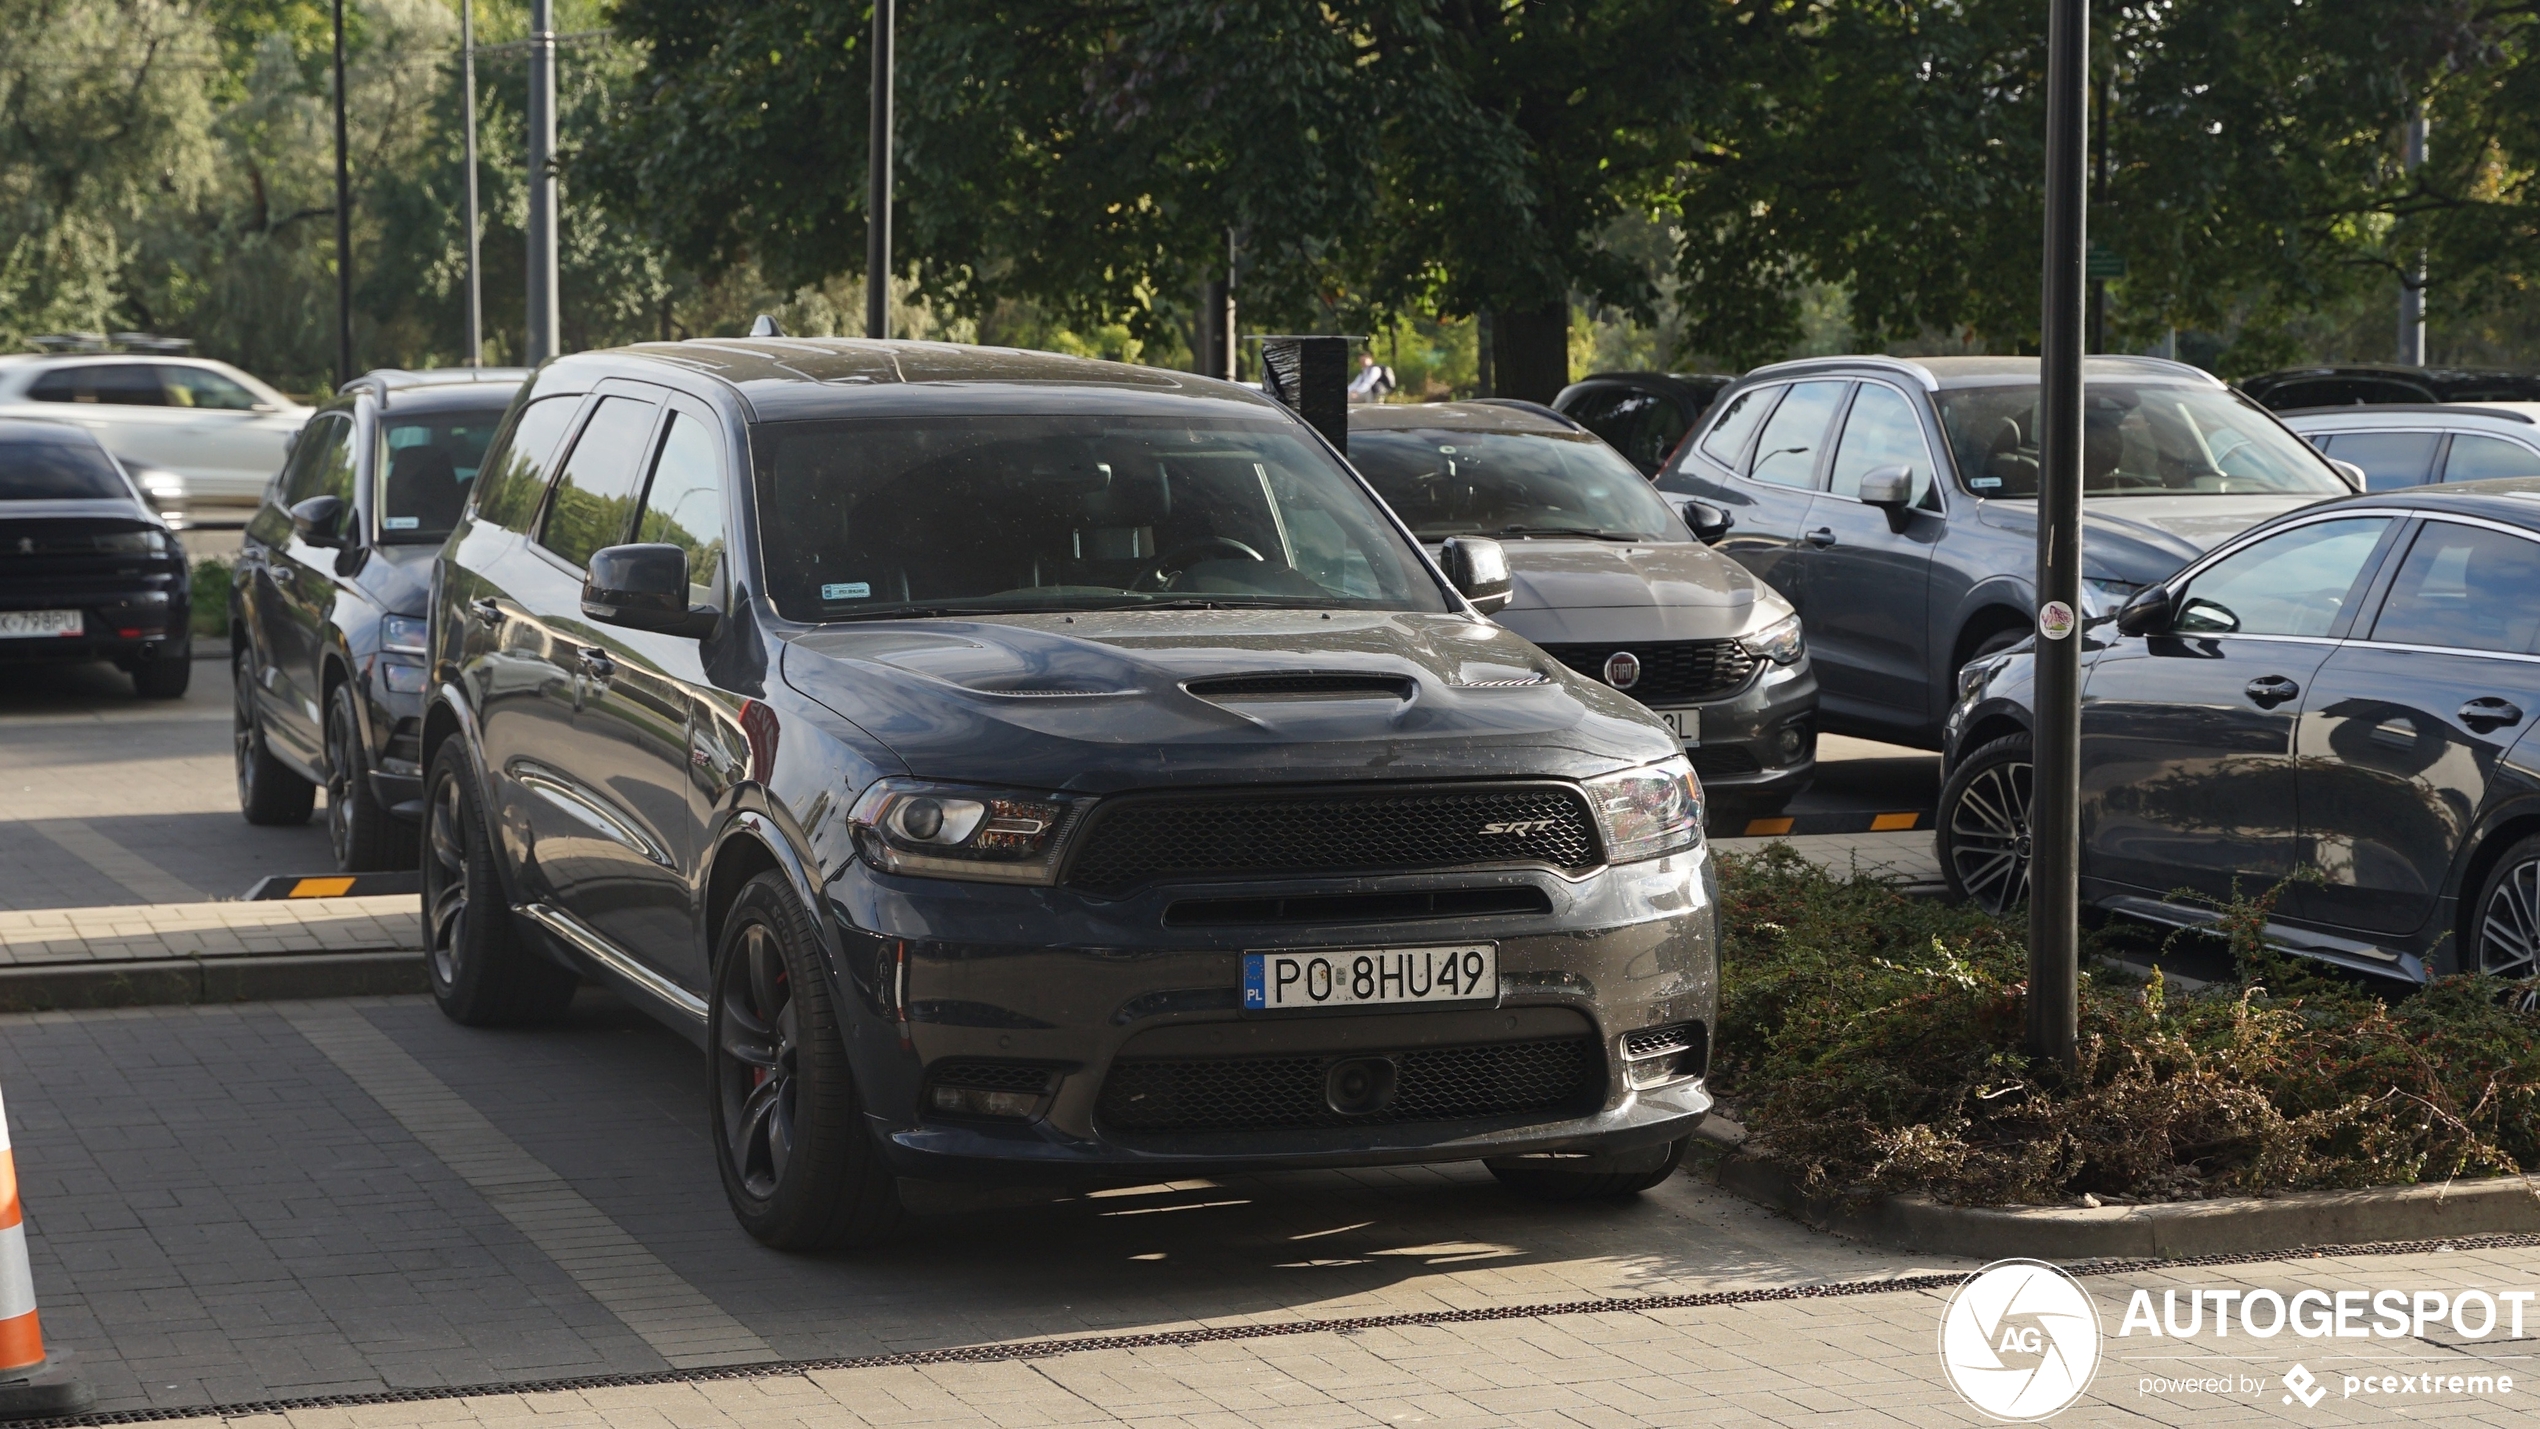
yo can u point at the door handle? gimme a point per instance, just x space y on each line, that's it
1822 537
487 613
596 663
2488 712
2270 690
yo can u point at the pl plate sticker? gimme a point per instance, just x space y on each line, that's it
2054 620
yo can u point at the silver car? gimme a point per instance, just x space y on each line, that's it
199 435
2401 444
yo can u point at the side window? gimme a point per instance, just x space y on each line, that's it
684 505
2390 459
2476 458
595 493
2289 584
203 388
1725 443
507 495
322 462
109 384
1880 432
2464 588
1786 454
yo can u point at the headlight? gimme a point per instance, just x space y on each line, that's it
1648 811
1778 642
2108 596
132 543
1973 674
960 831
402 634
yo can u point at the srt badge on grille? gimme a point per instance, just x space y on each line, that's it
1622 669
1519 826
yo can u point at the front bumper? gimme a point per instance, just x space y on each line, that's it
1762 741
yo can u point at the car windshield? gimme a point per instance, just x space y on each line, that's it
69 467
1449 483
2153 439
428 460
1016 514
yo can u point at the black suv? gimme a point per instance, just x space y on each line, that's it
1005 764
327 605
1643 415
87 570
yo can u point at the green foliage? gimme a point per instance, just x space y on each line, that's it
1874 1043
210 583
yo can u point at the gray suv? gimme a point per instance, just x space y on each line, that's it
1894 504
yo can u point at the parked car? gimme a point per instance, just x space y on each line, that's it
2349 688
220 432
1005 764
1894 504
1610 581
1643 415
87 570
328 602
2416 444
2374 384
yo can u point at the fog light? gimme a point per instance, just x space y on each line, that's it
1793 742
978 1101
1361 1086
401 679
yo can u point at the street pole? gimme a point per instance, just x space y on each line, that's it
1229 348
2054 900
343 221
467 97
2412 282
877 201
543 307
2106 97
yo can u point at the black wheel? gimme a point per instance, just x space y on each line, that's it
1984 835
268 791
484 972
2507 934
366 837
1540 1181
165 677
798 1166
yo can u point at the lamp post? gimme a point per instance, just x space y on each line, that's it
467 97
542 181
343 221
2054 903
877 202
2412 282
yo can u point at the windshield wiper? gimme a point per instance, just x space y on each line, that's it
918 612
1581 531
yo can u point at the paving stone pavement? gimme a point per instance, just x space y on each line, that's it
138 932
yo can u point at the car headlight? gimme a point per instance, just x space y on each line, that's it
1973 674
1646 812
131 543
2109 596
1778 642
402 634
962 831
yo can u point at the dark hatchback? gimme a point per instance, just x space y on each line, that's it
1011 765
328 602
2352 689
1643 415
87 570
2374 384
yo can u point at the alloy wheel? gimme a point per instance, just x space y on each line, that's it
242 728
339 788
2509 927
756 1062
1989 836
445 875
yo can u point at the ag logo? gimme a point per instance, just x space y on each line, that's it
2020 1340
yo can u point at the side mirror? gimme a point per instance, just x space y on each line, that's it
2146 613
1891 487
2355 475
1709 522
319 520
1478 567
643 587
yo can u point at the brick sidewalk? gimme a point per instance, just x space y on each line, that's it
145 931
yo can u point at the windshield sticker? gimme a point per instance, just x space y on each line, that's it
847 590
400 523
1984 483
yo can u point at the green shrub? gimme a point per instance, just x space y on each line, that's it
1873 1042
211 599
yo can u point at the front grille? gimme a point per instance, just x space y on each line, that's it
1331 908
1672 672
1650 1041
990 1076
1139 839
1432 1084
1716 761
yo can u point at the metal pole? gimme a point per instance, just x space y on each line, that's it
2054 900
543 308
1230 355
2412 282
343 221
467 97
877 202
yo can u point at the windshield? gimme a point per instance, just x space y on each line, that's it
1446 483
429 459
2148 440
69 467
1005 515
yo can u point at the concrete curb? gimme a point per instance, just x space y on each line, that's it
2169 1231
182 981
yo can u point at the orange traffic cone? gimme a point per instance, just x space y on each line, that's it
32 1383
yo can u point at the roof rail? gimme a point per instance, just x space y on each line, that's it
2162 364
2448 409
1915 370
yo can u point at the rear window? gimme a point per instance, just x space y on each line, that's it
69 467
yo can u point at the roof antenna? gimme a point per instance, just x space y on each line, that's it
766 327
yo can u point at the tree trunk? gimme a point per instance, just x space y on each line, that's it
1531 352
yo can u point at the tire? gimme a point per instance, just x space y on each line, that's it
166 677
483 971
1983 836
799 1168
1537 1182
366 837
269 793
2505 935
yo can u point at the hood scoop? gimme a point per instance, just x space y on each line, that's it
1302 685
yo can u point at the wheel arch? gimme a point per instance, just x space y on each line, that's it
2501 832
751 844
1987 619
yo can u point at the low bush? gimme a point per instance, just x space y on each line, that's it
211 599
1873 1043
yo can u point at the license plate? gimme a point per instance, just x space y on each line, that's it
22 624
1686 723
1367 977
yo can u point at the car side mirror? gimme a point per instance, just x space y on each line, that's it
1478 567
1709 522
1890 489
2146 613
644 587
319 521
2355 475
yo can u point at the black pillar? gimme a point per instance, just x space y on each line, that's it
343 221
877 200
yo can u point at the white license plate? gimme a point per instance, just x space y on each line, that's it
1366 977
1686 723
22 624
